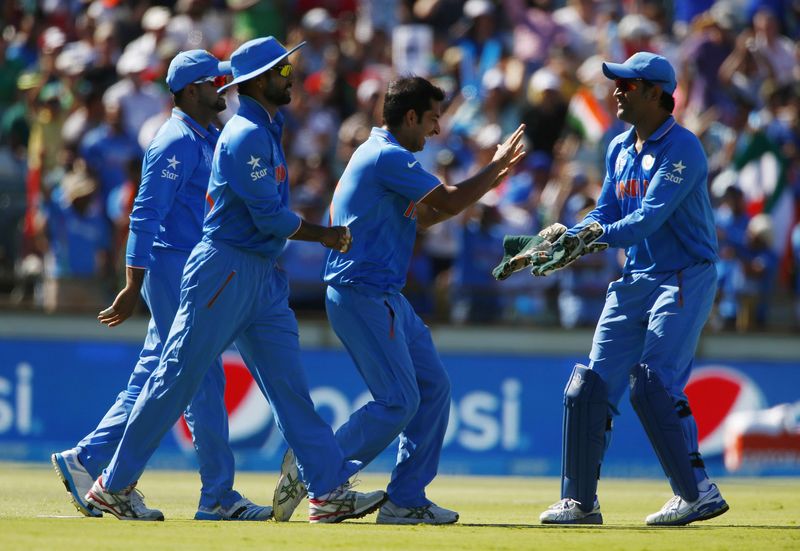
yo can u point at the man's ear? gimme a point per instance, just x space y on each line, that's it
656 92
410 117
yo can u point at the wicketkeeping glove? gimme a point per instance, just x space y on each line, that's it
519 251
569 248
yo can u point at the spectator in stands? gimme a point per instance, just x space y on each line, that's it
107 150
759 268
74 232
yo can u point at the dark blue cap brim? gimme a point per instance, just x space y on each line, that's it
260 70
618 70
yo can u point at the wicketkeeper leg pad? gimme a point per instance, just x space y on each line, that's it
659 416
586 420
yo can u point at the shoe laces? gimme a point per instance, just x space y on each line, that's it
565 504
136 498
423 511
346 488
673 504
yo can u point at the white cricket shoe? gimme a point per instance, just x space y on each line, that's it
427 514
243 509
567 511
677 512
289 491
76 479
125 505
343 503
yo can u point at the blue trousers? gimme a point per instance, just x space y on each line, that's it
231 296
655 319
394 353
206 415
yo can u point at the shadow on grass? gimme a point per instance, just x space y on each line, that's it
632 528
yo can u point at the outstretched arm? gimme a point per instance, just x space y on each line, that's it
446 201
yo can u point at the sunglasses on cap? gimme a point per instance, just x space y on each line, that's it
219 81
284 70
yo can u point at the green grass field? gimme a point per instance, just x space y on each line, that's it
496 513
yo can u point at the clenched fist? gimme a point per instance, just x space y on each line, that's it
339 238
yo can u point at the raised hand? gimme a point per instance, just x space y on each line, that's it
511 151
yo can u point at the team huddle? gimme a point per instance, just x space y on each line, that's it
212 215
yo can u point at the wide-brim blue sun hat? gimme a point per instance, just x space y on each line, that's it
255 57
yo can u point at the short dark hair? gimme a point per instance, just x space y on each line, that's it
666 101
406 93
177 97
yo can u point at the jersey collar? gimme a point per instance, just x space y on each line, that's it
251 109
383 133
191 123
662 131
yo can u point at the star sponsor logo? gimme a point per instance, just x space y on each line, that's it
676 176
256 172
172 164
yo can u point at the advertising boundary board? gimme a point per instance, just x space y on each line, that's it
505 415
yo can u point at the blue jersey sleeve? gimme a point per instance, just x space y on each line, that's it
247 160
402 173
167 165
680 170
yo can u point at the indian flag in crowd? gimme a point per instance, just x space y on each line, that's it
588 116
763 177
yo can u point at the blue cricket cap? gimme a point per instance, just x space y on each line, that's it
255 57
647 66
188 67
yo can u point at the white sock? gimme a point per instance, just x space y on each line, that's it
704 485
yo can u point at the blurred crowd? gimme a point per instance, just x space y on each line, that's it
82 93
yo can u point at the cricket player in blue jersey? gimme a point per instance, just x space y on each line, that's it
654 203
233 292
383 196
166 223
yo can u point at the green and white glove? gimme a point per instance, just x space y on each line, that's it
520 251
569 248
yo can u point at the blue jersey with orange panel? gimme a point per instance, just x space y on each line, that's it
248 194
376 198
169 206
655 202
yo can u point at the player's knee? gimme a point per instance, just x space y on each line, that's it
402 406
643 383
585 386
437 393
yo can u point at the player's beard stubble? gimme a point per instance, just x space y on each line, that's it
278 91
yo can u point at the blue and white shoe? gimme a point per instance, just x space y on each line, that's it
76 480
568 511
677 512
244 509
389 513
